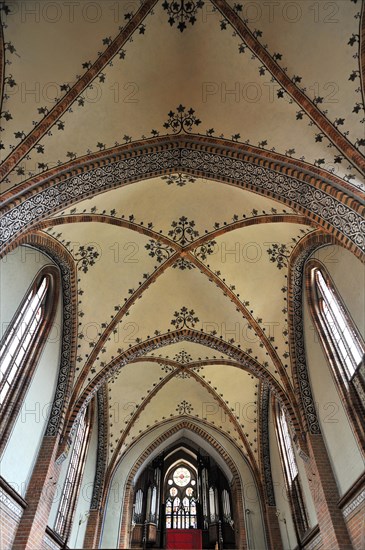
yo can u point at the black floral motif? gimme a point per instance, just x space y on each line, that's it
183 264
85 257
158 249
205 250
184 407
166 368
183 357
6 115
183 373
10 48
279 253
354 75
183 231
184 318
182 12
181 120
179 179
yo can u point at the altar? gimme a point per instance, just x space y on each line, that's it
181 539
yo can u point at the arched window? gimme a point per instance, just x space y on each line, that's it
23 341
74 473
339 334
181 498
342 343
291 473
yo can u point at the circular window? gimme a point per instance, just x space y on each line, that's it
181 476
173 491
189 491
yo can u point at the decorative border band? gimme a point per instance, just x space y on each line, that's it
359 499
325 207
102 450
265 400
10 505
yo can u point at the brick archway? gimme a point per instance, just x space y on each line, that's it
236 484
61 258
326 199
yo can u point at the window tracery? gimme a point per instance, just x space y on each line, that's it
23 333
181 498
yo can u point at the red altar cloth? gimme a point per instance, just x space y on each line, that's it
189 539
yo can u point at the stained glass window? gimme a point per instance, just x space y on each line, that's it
181 511
181 476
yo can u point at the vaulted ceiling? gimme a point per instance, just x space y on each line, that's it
191 272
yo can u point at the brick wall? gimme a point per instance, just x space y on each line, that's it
92 530
125 525
325 495
238 515
354 514
39 497
10 514
273 528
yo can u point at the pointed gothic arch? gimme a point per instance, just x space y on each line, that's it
219 453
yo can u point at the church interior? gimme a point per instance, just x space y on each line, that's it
182 297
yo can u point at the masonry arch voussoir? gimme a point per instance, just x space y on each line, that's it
328 201
188 425
309 244
63 259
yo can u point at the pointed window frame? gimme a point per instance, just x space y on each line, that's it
20 349
75 470
180 509
347 358
291 473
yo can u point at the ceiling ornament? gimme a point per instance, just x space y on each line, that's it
183 231
205 250
183 357
183 374
341 218
85 257
179 179
279 254
166 368
181 121
184 407
184 318
172 337
181 12
159 250
182 263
